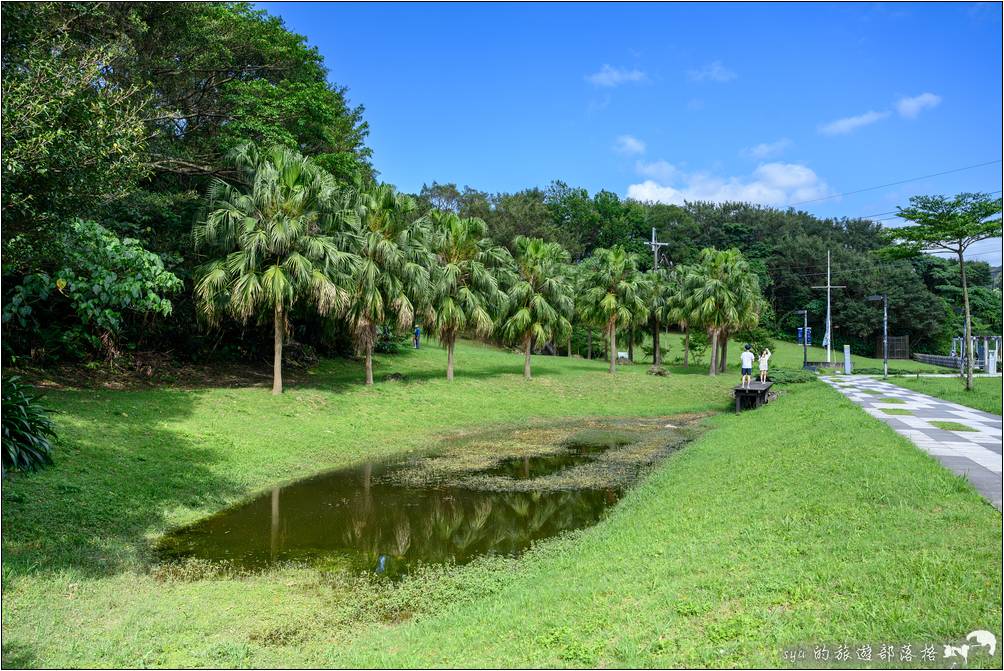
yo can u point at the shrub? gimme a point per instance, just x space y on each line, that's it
758 337
699 343
103 279
27 427
389 342
790 376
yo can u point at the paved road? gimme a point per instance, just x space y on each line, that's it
975 454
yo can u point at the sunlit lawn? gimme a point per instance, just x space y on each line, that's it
985 395
804 521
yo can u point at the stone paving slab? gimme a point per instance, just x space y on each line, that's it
974 454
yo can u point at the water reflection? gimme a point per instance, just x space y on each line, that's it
363 517
526 467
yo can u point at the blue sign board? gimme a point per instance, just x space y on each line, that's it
808 336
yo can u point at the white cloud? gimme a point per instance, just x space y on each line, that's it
629 144
766 149
662 171
851 123
714 71
770 184
911 107
611 76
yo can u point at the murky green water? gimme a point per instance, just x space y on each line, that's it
382 517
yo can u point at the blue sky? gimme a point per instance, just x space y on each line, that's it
775 103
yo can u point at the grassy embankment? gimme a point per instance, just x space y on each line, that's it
803 521
985 396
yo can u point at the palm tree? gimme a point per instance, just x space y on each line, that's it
658 290
540 300
726 296
613 293
392 273
279 231
570 273
466 280
680 304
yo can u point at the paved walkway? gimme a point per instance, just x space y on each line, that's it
975 454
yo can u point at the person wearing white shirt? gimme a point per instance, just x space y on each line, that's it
747 365
764 358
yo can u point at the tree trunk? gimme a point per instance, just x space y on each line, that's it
369 362
612 331
631 345
968 331
714 353
589 345
724 352
449 356
526 358
280 327
686 346
657 354
568 353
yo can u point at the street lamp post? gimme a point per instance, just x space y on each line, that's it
805 336
885 331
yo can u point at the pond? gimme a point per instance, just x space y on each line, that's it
494 493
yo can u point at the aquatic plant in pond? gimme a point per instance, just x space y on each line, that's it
389 517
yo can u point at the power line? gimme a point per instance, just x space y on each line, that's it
893 212
903 181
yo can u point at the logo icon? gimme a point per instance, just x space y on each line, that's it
983 639
980 638
957 651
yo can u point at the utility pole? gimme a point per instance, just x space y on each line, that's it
885 331
655 245
829 327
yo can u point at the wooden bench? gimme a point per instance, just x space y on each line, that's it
753 396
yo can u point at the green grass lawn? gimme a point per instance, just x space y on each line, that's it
789 355
985 396
801 522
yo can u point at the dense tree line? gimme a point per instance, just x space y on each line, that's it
126 130
786 249
286 239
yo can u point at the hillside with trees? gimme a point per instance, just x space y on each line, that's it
121 127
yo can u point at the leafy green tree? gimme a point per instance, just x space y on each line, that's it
467 279
69 145
950 225
726 298
392 274
573 213
278 231
612 294
540 300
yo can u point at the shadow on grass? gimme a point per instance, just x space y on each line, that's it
17 656
116 473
